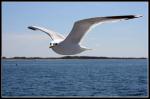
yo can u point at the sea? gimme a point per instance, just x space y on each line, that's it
74 77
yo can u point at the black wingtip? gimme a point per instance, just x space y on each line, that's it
133 16
32 28
126 17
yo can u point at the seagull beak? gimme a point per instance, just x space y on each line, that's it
50 46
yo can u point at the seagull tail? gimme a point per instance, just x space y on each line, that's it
85 48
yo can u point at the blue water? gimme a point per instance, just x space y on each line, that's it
75 77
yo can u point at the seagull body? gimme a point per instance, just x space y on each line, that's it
71 44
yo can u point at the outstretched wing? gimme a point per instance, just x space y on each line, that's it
82 26
53 35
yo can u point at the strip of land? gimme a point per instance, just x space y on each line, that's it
75 57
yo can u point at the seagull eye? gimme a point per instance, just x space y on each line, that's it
51 44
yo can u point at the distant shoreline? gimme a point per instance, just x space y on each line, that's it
75 57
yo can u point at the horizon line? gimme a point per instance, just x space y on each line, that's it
67 57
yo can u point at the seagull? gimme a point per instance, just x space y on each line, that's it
71 44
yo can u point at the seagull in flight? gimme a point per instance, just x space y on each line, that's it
70 45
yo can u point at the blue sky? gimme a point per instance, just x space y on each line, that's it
122 39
